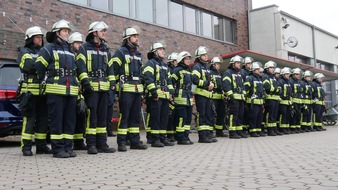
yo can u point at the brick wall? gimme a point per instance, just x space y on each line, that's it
46 12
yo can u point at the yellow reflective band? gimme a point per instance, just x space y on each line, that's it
89 62
91 131
24 56
219 127
151 86
211 128
227 78
163 132
116 60
203 127
239 128
195 72
203 92
148 129
122 131
156 132
120 118
56 137
78 136
111 77
56 60
101 130
134 130
26 136
41 136
148 69
83 75
42 60
132 88
126 66
171 132
81 56
180 128
110 63
186 127
61 89
68 136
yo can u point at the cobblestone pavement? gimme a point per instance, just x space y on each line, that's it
299 161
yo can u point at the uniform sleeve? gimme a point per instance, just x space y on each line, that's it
110 71
170 83
314 91
227 87
81 61
117 60
268 87
149 77
196 77
247 85
42 62
26 62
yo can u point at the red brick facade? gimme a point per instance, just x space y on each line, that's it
46 12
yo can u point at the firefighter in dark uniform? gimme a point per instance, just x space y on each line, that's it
201 77
233 86
181 77
318 96
97 78
172 63
218 97
297 101
35 121
306 88
245 71
271 99
285 104
61 88
254 99
127 63
276 73
160 91
75 40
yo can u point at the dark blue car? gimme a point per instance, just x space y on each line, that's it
10 116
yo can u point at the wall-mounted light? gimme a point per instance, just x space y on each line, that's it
286 26
336 47
285 23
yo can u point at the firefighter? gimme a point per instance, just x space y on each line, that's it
306 110
97 78
35 121
245 71
218 97
276 73
201 77
318 96
58 60
172 63
75 40
254 99
297 102
127 63
181 77
234 88
271 99
160 91
285 104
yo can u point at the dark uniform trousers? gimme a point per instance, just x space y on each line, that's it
62 114
170 126
295 119
220 112
255 117
159 114
284 117
306 117
204 117
96 132
271 113
35 123
130 118
236 111
79 130
110 111
318 111
182 121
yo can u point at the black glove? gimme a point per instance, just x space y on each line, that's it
231 97
87 88
154 96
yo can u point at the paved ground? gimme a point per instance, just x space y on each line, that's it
300 161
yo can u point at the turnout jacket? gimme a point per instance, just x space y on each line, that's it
95 66
157 79
270 86
233 84
182 80
58 60
285 91
306 91
201 77
318 93
296 91
26 60
127 63
245 73
254 89
216 78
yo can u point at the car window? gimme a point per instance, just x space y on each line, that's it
9 76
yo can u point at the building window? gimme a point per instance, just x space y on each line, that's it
218 28
176 16
190 20
206 25
121 7
102 4
162 16
229 27
144 10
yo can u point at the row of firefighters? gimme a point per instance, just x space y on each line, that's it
58 77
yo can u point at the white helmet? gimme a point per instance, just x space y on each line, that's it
270 64
254 66
156 46
182 55
296 71
261 70
307 73
236 58
60 25
75 37
97 26
285 70
276 71
32 31
318 75
129 32
201 51
247 60
172 56
216 60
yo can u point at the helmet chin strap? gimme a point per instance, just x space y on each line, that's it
59 36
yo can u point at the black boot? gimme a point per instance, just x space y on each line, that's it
157 144
61 154
43 150
234 135
167 143
122 148
271 132
79 145
92 150
277 132
138 146
220 133
105 149
27 152
254 134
